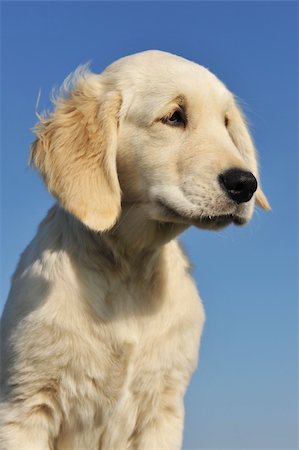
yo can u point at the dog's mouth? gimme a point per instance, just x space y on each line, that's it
213 222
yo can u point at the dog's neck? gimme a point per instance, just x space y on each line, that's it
136 232
134 244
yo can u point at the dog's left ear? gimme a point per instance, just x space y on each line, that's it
239 133
75 152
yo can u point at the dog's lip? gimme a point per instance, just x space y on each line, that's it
217 219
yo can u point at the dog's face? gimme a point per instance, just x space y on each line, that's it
153 129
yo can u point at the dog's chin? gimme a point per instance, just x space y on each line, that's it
208 222
219 222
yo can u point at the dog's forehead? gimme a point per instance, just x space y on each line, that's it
160 76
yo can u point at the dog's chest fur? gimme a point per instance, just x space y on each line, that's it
144 364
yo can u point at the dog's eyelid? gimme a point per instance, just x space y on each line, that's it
178 103
177 117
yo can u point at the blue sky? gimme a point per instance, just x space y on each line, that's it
244 394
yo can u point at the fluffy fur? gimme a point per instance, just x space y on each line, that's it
102 326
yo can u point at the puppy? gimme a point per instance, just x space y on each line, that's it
102 326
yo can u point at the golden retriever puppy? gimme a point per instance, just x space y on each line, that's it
102 326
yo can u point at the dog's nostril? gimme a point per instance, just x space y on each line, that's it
239 185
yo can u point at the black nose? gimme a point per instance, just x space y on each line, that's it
239 185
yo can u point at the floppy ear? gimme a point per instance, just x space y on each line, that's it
75 152
238 130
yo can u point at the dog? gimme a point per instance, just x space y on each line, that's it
102 326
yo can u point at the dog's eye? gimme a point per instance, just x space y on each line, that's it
226 121
177 119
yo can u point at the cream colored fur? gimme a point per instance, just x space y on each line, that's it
102 326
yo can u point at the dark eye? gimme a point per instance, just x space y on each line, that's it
177 119
226 121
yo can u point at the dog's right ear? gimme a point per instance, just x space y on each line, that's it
75 152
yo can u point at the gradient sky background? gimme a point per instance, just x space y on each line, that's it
244 394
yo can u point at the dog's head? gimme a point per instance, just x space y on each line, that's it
152 129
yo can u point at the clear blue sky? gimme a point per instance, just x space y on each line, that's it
244 394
